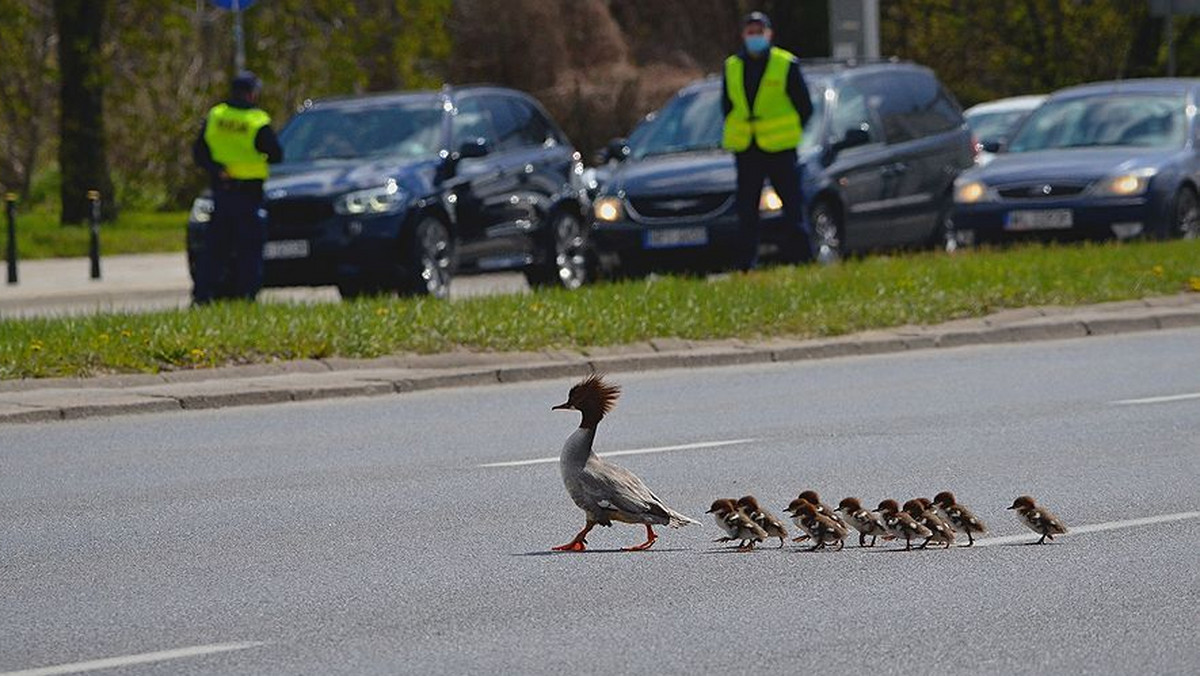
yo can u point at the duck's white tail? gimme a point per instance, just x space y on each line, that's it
679 521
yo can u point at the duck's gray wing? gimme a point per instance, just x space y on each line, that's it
613 488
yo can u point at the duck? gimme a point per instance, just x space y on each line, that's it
736 524
822 529
940 530
773 527
822 509
605 491
1038 519
959 516
901 524
866 522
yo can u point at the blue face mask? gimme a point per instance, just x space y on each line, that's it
757 44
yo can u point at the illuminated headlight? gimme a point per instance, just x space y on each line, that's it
770 203
386 199
608 209
202 209
1125 185
970 192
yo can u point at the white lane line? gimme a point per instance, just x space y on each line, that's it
1157 400
635 451
126 660
1090 528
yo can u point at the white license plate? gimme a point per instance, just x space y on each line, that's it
285 248
667 238
1039 219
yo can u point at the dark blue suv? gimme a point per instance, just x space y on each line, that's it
879 158
398 192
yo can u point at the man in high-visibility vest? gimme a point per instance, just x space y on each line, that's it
235 146
766 105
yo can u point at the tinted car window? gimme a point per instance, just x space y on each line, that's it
989 126
471 122
533 127
851 112
505 122
1144 120
689 122
912 106
406 130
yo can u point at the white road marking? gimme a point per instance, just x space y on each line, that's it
1090 528
126 660
635 451
1157 400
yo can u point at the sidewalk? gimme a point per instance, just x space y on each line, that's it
69 398
129 282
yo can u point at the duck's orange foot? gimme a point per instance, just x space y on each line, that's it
576 546
640 548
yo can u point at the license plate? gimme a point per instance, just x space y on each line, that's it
285 248
667 238
1039 219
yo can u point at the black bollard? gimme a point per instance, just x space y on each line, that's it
94 226
10 202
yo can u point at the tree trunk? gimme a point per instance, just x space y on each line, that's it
81 151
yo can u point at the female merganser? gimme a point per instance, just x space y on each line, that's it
822 529
863 520
901 524
1038 519
736 524
940 530
765 520
959 516
604 491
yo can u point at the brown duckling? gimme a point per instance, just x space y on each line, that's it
901 524
959 516
1038 519
767 521
822 529
941 532
866 522
736 525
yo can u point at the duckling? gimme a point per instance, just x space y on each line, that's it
767 521
1038 519
864 521
604 491
736 524
811 497
959 516
922 511
901 524
822 529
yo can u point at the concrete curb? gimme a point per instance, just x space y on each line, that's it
38 401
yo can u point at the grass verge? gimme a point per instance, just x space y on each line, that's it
39 234
875 292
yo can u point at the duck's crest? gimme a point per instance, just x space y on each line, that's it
596 393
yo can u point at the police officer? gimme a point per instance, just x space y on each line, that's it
235 146
766 105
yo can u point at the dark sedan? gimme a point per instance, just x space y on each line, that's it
398 192
1098 161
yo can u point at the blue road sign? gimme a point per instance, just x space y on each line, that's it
228 4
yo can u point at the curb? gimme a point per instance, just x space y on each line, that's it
39 401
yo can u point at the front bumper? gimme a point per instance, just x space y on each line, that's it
679 244
1095 218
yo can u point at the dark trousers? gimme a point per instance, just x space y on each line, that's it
753 166
230 265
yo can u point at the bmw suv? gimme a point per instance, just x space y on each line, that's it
398 192
878 162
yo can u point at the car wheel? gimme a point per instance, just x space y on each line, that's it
1185 216
567 262
827 230
430 260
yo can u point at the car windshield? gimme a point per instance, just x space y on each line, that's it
694 122
406 129
1141 120
992 126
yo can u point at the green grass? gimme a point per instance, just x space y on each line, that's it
874 292
39 234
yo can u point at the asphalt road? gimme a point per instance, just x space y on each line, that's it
363 536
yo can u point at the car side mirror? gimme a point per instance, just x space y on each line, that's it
474 149
992 145
853 139
617 149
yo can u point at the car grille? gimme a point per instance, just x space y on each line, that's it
1041 191
679 206
297 217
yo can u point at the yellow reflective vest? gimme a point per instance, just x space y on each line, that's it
772 122
229 133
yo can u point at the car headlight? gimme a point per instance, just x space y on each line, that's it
970 192
608 209
770 203
202 209
386 199
1127 184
